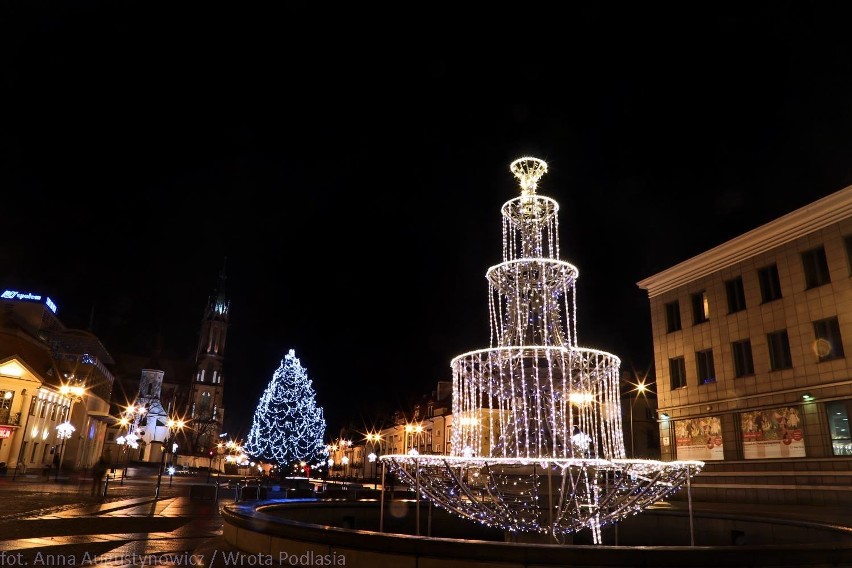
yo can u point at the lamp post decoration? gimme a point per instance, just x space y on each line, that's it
75 393
63 432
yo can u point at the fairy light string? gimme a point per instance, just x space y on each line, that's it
537 442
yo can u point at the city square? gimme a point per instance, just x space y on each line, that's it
284 286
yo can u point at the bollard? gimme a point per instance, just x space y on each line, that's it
106 484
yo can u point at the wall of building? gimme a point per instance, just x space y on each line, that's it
781 413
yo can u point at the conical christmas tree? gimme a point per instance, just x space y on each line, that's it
288 426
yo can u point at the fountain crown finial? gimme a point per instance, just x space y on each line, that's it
528 170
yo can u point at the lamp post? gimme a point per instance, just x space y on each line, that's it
374 439
414 431
639 388
122 442
372 457
64 432
74 392
173 426
345 461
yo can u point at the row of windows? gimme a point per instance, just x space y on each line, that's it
815 268
828 345
40 407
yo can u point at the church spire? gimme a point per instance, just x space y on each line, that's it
219 304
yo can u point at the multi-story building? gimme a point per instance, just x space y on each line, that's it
753 374
54 388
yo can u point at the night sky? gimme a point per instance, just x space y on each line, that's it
351 166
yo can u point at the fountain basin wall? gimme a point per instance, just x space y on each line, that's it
346 532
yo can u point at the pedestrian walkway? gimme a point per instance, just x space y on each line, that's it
126 533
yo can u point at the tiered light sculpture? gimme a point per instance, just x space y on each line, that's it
537 440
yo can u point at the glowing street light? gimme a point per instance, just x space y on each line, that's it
373 439
173 426
640 388
63 431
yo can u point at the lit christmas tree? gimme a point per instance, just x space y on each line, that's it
288 426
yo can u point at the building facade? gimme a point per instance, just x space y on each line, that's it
753 356
55 389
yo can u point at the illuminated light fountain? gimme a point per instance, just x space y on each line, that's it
537 443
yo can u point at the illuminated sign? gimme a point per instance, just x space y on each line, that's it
5 432
15 295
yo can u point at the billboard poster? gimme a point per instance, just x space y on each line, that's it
773 433
699 439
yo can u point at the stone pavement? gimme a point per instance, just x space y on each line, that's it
132 532
63 525
60 524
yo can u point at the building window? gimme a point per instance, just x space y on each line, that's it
700 308
706 370
816 268
779 350
828 344
743 362
673 316
847 241
770 284
736 295
837 413
677 372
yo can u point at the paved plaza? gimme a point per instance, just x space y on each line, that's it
46 522
49 522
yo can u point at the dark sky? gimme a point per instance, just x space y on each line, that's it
351 165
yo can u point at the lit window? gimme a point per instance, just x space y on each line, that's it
700 308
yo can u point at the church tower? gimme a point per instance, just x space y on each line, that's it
205 401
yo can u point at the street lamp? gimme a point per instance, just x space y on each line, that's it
173 426
64 432
639 388
416 430
372 457
74 392
345 461
374 439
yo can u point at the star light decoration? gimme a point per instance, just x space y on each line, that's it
537 442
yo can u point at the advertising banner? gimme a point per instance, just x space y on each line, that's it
699 439
773 433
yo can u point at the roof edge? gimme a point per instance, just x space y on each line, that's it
812 217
